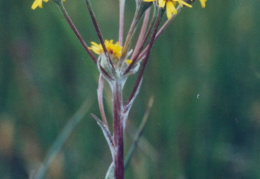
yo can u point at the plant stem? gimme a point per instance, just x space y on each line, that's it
121 21
118 129
76 32
160 31
140 41
140 75
131 32
98 31
165 25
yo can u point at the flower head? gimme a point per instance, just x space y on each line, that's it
113 49
38 3
170 5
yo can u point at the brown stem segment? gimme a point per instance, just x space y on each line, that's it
118 130
98 31
140 42
76 32
140 75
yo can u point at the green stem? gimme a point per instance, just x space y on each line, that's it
121 21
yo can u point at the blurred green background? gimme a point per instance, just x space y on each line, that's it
204 73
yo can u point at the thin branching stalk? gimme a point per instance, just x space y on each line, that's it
99 34
76 32
140 40
135 57
160 31
148 32
140 75
142 32
121 21
165 25
131 31
155 14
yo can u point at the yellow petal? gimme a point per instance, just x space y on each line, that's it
170 9
181 2
37 3
94 43
161 3
203 3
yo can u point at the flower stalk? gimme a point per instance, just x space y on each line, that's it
140 76
121 21
140 9
99 34
75 30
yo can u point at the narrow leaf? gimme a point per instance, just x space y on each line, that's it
110 171
107 134
60 140
139 132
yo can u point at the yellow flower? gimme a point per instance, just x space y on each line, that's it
113 49
170 5
38 3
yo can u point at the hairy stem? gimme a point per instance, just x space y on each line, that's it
118 129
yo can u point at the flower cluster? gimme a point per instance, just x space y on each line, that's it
171 5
